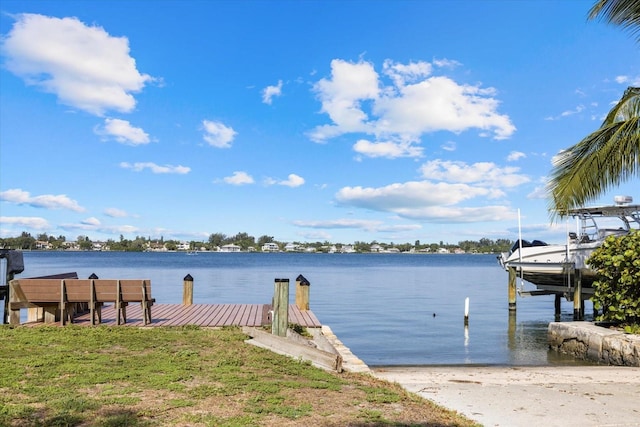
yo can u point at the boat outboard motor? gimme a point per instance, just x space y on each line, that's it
15 264
15 261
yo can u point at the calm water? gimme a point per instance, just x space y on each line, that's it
389 309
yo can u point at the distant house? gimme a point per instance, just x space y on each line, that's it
230 248
347 249
376 248
270 247
291 247
41 244
183 246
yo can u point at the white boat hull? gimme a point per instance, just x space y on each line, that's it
554 267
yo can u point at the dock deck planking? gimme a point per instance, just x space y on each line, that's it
205 315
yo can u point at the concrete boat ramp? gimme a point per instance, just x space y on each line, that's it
563 396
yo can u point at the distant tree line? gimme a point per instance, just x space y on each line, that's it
245 241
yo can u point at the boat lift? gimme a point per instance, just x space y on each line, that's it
14 265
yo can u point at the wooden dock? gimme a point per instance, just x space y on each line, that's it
204 315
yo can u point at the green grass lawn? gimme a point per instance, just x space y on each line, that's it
187 376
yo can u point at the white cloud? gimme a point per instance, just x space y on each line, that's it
25 221
445 194
47 201
123 132
515 155
342 95
539 192
90 225
292 180
388 149
217 134
628 80
446 63
449 146
441 104
340 223
84 66
92 221
357 224
140 166
409 195
577 110
416 102
270 91
115 213
481 173
239 178
401 74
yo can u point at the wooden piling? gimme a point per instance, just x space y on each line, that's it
280 321
512 288
302 292
187 290
577 296
558 306
511 331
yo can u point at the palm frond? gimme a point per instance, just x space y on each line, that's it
625 13
602 160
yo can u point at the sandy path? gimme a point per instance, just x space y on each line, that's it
529 396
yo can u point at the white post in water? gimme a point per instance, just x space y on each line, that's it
466 311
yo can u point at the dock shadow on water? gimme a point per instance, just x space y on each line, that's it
389 309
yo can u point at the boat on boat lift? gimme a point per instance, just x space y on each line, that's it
550 267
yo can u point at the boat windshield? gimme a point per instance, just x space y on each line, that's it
599 222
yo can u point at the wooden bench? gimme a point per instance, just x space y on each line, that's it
64 295
121 293
41 311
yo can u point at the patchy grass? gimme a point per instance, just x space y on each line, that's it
124 376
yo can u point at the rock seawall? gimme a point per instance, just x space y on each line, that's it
588 341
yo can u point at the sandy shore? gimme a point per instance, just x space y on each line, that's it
529 396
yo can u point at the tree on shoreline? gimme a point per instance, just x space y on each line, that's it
610 155
27 242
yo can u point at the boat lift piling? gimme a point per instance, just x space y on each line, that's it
578 302
512 289
572 290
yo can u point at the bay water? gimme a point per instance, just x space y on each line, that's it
389 309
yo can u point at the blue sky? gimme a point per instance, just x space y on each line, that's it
344 121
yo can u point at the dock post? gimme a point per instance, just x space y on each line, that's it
558 306
302 292
512 288
577 296
280 321
187 290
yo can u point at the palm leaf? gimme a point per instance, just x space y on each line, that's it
604 159
625 13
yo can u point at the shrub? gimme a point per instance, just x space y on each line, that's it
617 288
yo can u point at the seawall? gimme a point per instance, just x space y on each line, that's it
588 341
